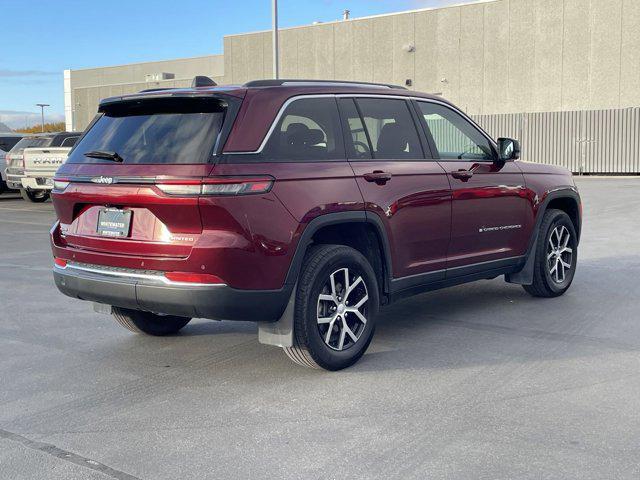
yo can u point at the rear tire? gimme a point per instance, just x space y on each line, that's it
336 304
556 254
36 196
149 323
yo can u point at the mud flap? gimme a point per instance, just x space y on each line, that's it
279 333
525 276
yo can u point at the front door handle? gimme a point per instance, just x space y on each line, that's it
463 175
377 176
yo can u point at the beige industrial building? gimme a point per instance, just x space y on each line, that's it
542 70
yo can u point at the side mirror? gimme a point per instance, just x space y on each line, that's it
508 149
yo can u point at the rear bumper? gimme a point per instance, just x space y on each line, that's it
37 183
154 293
13 180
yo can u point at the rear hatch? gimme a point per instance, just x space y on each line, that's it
116 194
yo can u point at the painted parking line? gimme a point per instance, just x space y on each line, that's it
26 210
2 220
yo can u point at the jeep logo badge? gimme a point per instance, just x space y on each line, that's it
101 179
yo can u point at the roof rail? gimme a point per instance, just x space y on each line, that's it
159 89
311 83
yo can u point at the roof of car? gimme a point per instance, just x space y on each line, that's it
285 87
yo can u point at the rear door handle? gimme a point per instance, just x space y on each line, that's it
377 176
463 175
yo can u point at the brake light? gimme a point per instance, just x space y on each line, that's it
60 262
187 277
216 186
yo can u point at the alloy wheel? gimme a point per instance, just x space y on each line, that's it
342 309
559 254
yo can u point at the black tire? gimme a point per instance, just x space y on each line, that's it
36 196
310 348
149 323
3 186
548 282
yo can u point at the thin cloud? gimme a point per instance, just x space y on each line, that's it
6 73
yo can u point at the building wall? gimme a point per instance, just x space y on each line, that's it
584 141
497 56
563 76
87 87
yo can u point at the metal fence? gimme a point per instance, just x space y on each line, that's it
590 141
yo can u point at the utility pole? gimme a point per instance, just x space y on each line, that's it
42 105
274 19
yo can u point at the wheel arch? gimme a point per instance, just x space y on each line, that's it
570 204
566 199
361 230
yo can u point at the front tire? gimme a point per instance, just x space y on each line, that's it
35 196
556 254
150 323
336 304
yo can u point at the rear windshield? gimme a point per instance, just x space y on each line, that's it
31 142
167 131
7 143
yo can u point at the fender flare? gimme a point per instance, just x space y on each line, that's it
525 276
328 219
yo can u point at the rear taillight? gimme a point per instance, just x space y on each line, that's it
60 262
216 186
187 277
60 183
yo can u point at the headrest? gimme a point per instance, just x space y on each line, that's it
392 140
300 134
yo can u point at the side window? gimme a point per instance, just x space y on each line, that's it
454 136
357 143
392 131
309 130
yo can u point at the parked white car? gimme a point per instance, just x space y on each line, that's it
7 142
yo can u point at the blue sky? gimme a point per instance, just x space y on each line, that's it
42 38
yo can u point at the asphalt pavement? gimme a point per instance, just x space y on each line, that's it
473 382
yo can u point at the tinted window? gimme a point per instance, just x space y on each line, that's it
31 142
391 128
69 142
357 143
309 130
176 130
454 136
7 143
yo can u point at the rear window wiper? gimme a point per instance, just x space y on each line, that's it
105 155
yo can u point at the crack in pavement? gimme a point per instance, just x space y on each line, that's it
67 456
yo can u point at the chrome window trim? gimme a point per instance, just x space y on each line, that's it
289 101
140 276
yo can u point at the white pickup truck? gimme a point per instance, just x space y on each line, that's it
40 166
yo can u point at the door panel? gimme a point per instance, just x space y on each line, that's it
415 208
411 195
488 213
489 203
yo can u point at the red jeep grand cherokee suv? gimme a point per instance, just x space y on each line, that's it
302 205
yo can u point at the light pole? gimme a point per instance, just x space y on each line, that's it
42 105
274 18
